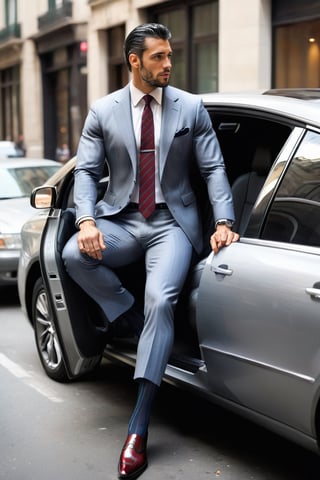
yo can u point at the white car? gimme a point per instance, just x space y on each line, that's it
10 150
18 176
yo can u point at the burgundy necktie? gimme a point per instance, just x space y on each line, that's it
147 161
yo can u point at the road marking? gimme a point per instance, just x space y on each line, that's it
21 373
12 367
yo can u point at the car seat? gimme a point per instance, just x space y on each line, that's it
246 188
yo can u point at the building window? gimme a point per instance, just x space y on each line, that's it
117 69
53 4
62 107
11 12
297 55
194 29
10 127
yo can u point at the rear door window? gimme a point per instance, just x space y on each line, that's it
295 212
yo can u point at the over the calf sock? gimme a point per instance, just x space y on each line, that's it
140 418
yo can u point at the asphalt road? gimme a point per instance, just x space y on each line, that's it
75 431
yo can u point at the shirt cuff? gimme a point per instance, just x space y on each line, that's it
83 218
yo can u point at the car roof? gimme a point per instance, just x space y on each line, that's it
302 93
303 109
26 162
6 143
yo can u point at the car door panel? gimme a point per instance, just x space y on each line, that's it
259 327
82 341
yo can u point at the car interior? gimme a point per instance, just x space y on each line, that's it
249 146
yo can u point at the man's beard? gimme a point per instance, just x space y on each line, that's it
153 82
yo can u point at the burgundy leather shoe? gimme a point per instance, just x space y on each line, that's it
133 458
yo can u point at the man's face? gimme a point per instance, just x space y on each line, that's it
153 70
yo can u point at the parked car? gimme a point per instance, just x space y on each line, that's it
18 177
248 320
10 150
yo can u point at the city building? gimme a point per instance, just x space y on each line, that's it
57 56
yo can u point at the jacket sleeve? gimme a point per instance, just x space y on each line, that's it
89 166
211 165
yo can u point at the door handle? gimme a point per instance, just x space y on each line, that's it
313 292
221 269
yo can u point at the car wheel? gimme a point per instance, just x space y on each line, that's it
47 342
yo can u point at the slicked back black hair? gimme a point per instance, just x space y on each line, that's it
135 41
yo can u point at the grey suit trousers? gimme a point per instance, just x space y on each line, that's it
128 237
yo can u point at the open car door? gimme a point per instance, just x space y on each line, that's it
74 328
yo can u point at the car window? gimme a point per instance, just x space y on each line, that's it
240 135
19 182
295 211
250 144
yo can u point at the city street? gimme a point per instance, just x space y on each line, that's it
75 431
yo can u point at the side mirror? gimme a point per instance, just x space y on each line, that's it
43 197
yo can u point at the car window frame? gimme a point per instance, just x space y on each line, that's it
271 185
306 131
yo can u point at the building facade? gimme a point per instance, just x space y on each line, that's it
57 56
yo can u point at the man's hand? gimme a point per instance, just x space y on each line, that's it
222 237
90 240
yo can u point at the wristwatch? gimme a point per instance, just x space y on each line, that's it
224 221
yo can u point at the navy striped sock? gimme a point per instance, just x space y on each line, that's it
140 418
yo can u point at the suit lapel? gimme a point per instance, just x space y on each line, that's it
123 119
170 115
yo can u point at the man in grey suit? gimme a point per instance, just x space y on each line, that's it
118 230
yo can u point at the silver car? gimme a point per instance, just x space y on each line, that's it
248 320
18 177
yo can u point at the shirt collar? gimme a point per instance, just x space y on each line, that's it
136 94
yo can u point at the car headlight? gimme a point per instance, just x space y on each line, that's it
10 241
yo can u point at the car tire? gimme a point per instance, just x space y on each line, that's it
47 342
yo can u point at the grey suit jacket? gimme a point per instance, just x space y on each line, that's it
186 136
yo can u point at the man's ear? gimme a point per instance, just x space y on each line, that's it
134 60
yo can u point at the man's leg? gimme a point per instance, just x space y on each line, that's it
168 259
167 264
96 277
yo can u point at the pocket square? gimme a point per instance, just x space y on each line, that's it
181 132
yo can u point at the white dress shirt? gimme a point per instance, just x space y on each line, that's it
137 106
